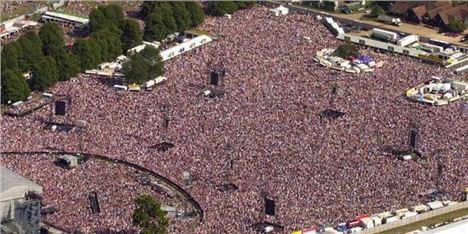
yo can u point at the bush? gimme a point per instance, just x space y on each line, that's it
143 66
456 26
376 11
149 216
347 50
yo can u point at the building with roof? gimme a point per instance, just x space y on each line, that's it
68 20
437 13
459 13
431 14
416 10
185 46
416 14
11 28
20 203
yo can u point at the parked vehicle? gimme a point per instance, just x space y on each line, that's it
389 20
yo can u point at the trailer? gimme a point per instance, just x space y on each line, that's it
122 87
391 219
47 95
367 222
384 34
377 221
389 20
149 84
435 205
408 40
160 79
134 87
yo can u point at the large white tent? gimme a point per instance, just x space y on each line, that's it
13 187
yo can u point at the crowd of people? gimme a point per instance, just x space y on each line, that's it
83 8
28 105
14 8
267 127
117 187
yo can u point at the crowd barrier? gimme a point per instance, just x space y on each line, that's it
29 111
171 184
416 218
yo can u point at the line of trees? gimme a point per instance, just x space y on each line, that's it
44 55
111 36
219 8
49 61
164 18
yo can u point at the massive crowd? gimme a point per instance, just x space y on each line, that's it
318 171
117 187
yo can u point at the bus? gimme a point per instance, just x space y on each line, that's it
440 43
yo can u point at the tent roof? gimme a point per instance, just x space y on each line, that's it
281 7
14 186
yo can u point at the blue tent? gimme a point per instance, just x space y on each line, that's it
365 59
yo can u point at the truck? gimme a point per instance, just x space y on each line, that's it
408 40
389 20
384 34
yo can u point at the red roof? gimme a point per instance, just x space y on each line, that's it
419 11
433 12
456 13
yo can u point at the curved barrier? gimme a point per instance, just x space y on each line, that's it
28 111
137 167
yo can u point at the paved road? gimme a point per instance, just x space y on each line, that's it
406 28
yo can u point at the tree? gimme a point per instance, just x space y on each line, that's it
136 70
181 16
154 60
456 26
221 8
45 74
131 35
22 53
149 216
68 66
147 8
14 86
347 50
97 20
109 41
143 66
34 38
31 46
196 13
51 36
10 57
215 8
114 13
88 53
376 11
167 14
155 30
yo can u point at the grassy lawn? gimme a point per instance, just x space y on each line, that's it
22 10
